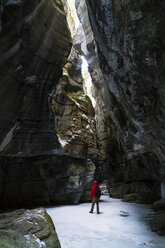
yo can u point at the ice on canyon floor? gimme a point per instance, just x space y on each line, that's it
120 225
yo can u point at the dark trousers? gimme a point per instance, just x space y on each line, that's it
95 200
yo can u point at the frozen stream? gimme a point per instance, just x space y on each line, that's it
120 225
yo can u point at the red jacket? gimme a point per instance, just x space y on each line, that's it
93 190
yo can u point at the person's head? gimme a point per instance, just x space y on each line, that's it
95 182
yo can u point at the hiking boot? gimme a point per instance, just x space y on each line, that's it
91 212
98 212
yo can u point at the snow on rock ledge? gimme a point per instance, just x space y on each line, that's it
28 228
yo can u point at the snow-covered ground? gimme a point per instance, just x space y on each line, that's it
120 225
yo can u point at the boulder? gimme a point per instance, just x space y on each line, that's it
27 228
158 222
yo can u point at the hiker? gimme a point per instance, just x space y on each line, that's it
95 196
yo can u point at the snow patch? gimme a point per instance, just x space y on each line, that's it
63 143
91 131
27 237
77 103
79 131
84 116
32 238
41 243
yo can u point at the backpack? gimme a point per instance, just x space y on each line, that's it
97 192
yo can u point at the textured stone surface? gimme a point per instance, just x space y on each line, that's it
158 223
39 112
32 181
27 228
130 40
73 110
33 52
129 37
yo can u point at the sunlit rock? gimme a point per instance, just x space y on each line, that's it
74 113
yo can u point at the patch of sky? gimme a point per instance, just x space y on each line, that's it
87 80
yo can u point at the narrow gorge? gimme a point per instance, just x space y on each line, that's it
81 98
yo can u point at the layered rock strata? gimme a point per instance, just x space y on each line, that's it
27 228
34 181
73 110
75 121
36 167
34 45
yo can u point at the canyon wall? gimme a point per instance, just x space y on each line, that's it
130 43
33 52
37 117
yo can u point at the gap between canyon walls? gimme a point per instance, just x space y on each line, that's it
93 82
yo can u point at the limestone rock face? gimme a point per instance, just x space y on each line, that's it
130 42
35 165
74 113
27 228
33 51
34 181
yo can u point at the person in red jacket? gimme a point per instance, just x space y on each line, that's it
95 199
